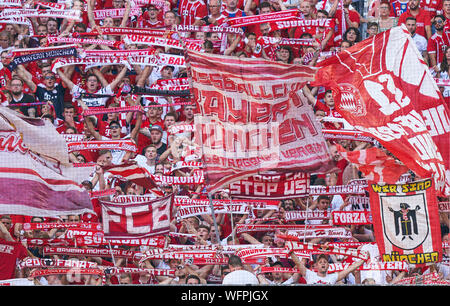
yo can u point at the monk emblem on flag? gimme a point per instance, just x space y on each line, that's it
405 225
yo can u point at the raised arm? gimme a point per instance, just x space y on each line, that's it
66 80
126 15
26 77
353 267
118 78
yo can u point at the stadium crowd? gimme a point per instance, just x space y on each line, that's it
37 90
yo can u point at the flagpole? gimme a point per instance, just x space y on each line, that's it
214 218
191 89
114 261
232 222
306 219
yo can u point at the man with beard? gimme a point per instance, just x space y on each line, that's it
18 96
436 44
156 133
423 18
420 41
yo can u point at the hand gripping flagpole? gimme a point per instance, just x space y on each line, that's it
188 68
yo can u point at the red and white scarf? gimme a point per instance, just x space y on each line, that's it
212 29
299 215
117 53
90 252
30 13
66 271
125 145
325 232
372 266
244 228
196 178
323 249
56 263
115 13
8 3
83 41
101 110
154 272
351 217
161 41
52 5
338 189
262 18
51 225
157 241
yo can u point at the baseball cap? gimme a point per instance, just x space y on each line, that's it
156 127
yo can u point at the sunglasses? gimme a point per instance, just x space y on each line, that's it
114 127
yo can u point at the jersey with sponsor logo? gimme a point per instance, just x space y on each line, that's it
191 10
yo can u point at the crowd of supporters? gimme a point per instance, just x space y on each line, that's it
57 93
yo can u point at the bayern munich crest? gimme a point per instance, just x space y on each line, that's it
351 100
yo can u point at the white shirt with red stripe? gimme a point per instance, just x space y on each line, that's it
191 10
436 46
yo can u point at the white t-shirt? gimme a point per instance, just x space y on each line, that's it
421 42
240 277
94 102
142 162
337 202
312 278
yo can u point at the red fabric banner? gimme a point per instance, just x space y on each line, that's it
383 87
374 164
253 120
275 186
136 220
406 222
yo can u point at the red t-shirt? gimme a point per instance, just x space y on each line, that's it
423 19
143 140
189 11
10 252
437 46
5 77
63 127
432 6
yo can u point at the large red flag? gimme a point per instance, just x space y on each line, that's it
383 87
374 164
36 178
251 118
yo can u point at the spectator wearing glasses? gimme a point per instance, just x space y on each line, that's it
436 43
48 90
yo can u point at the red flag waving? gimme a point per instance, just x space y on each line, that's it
132 172
375 164
383 87
252 120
